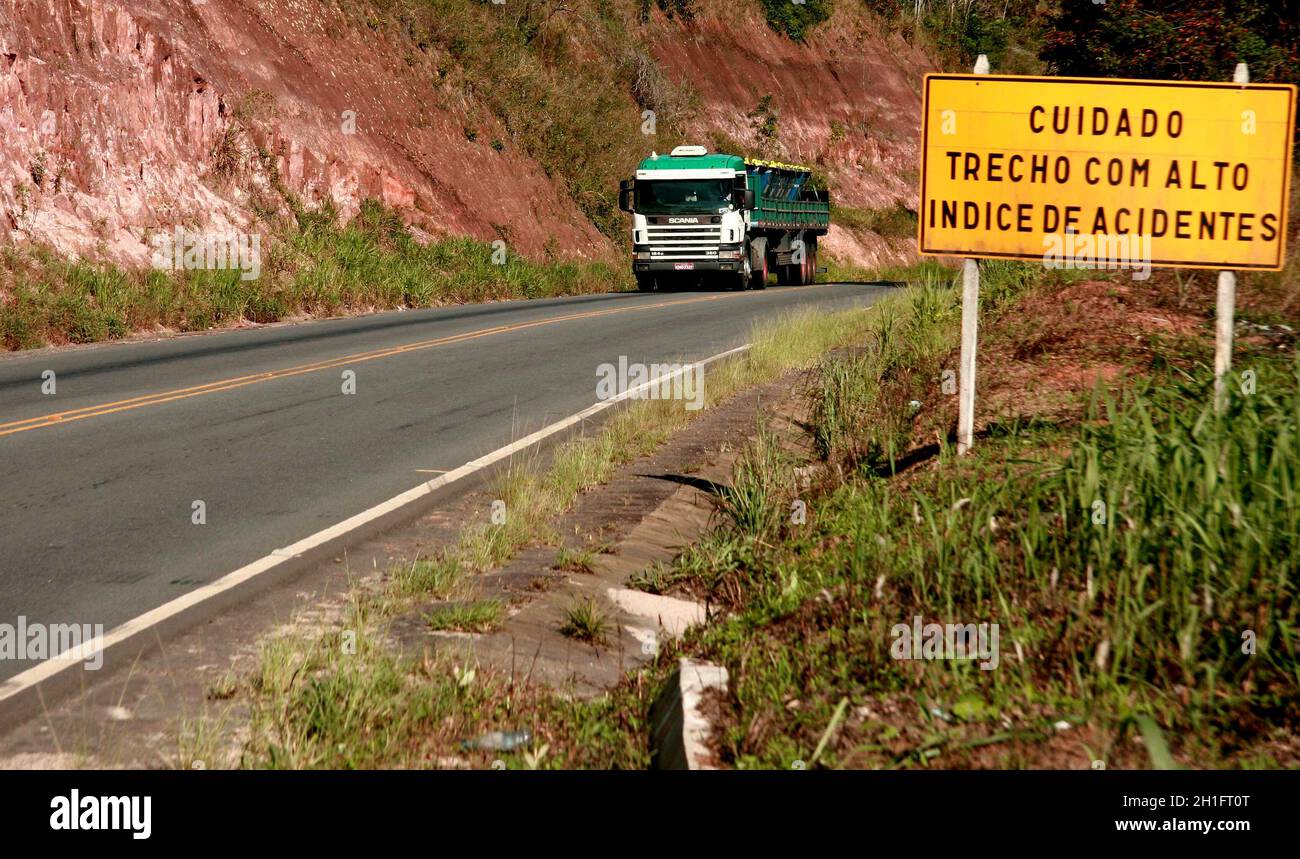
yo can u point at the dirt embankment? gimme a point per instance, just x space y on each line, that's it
117 121
847 100
125 118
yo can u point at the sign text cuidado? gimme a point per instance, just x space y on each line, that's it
1199 171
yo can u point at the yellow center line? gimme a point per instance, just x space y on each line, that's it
60 418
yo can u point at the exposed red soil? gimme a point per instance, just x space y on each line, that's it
117 109
117 118
849 98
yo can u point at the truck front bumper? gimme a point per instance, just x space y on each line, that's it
721 262
686 265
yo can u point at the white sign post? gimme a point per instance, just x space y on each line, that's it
1225 306
970 310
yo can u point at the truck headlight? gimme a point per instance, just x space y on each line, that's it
726 254
643 254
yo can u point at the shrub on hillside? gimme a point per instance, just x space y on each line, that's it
796 19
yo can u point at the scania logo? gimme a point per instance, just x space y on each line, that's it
683 220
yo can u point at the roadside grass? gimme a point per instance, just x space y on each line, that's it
1120 637
753 503
1122 627
438 577
658 578
575 560
584 621
842 272
1140 563
373 709
1108 614
319 701
311 266
480 616
202 743
926 271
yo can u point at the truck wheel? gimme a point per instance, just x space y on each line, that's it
799 271
811 258
645 282
758 264
743 277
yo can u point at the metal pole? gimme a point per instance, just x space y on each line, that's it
1225 305
970 309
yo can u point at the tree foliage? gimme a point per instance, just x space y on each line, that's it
1175 39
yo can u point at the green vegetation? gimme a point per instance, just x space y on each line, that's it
585 621
580 117
319 706
313 267
796 19
764 118
316 703
1139 561
1191 40
1009 32
481 616
896 221
1144 612
438 577
575 560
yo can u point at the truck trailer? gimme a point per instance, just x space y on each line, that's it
700 215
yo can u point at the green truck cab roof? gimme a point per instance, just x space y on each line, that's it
712 161
715 161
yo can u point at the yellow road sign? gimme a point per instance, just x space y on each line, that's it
1185 174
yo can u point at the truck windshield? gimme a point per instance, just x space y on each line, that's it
683 196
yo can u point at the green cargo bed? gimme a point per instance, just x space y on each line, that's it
782 199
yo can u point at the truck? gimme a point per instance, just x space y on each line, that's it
700 215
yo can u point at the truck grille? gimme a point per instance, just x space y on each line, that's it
684 240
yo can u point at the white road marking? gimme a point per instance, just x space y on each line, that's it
71 658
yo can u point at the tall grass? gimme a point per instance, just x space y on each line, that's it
1154 569
1194 543
1141 563
311 267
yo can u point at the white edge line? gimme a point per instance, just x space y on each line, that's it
70 657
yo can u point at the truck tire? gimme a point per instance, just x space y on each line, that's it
799 270
645 282
758 264
810 257
740 280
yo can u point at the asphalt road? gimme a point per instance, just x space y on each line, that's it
97 481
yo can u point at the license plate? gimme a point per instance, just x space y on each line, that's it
684 266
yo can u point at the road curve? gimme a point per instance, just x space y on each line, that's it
97 481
